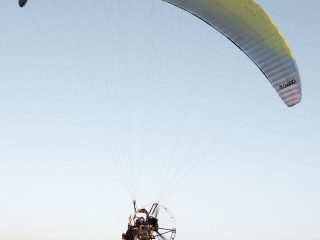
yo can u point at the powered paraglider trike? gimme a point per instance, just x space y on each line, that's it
151 224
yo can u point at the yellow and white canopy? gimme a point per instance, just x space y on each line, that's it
248 26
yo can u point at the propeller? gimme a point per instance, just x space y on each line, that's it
160 236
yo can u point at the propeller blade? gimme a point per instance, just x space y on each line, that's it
160 236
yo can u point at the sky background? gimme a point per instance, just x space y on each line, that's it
97 96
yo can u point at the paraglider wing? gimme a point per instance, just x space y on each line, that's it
22 3
248 26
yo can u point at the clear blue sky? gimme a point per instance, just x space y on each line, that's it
90 96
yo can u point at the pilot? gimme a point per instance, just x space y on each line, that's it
139 221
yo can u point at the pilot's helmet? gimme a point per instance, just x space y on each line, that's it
141 220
